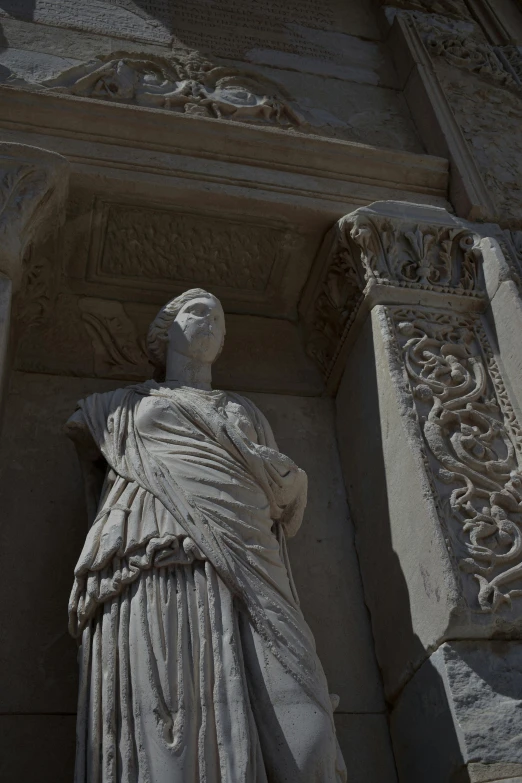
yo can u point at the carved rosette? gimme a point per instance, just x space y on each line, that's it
370 249
472 446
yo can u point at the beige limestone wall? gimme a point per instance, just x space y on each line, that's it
43 526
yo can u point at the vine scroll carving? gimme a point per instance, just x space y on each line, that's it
473 445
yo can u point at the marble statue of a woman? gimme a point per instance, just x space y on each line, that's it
196 663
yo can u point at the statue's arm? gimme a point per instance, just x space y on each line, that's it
92 463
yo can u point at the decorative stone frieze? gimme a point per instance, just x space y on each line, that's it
184 82
151 246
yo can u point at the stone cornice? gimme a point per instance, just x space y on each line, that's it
320 166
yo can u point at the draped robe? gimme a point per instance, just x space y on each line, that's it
184 601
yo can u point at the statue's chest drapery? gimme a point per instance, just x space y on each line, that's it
192 444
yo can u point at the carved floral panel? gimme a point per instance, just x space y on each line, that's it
148 247
472 446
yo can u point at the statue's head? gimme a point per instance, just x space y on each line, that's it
192 324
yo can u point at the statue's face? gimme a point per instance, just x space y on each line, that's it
199 329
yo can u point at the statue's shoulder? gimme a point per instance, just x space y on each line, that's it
114 398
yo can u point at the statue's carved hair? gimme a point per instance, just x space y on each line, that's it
157 336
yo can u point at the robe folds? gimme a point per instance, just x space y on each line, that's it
194 652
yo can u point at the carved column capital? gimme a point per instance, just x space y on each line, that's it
33 187
388 253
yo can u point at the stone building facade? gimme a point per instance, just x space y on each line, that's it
346 177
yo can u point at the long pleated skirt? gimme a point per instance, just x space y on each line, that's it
177 687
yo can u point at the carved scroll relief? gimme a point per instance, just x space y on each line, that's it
472 446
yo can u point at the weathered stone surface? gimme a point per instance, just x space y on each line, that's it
365 741
265 24
463 707
33 190
353 105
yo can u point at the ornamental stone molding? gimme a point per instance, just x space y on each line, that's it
388 252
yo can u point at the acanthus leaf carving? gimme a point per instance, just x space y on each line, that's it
184 82
473 446
339 299
373 249
439 258
118 351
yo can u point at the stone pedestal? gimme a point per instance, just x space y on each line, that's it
33 186
409 316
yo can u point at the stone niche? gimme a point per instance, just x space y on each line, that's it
88 294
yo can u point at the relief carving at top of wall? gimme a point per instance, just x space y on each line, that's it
473 445
453 8
183 83
483 87
371 249
461 50
493 136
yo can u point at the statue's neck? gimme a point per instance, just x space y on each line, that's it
186 371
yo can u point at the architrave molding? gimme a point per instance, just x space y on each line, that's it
100 135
